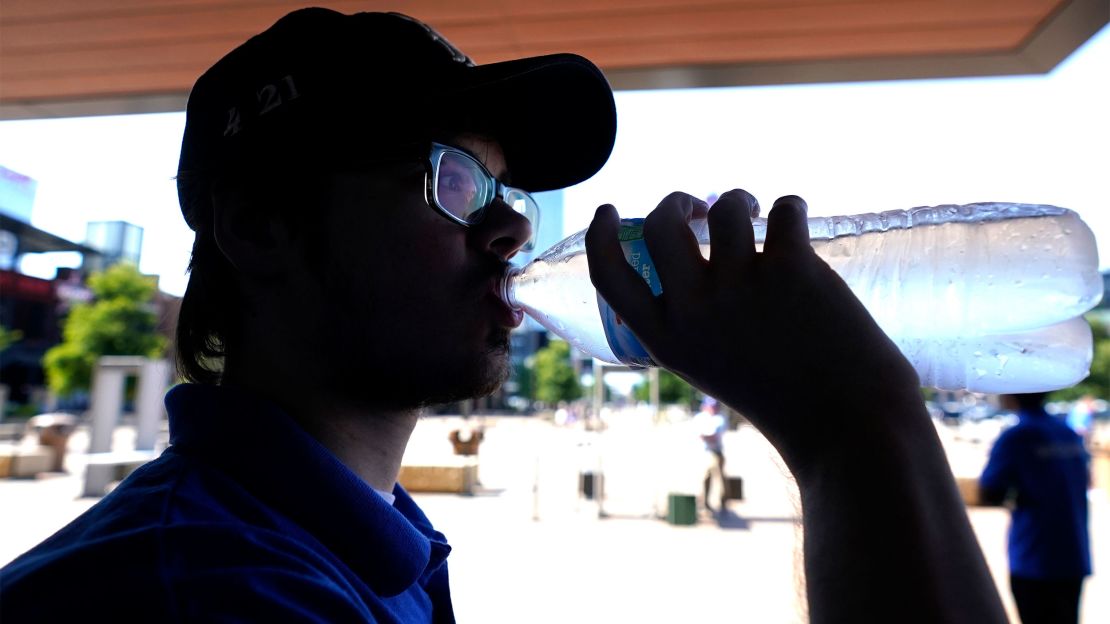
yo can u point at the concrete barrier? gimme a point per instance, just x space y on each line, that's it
969 490
1100 469
25 460
105 468
454 478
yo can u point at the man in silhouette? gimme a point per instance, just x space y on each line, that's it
357 187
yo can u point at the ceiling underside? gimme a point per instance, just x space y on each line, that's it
79 57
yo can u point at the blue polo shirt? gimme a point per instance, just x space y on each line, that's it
1044 462
245 517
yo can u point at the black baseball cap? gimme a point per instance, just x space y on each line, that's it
322 87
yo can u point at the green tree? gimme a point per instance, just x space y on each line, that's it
1096 384
672 389
8 337
554 376
119 321
524 377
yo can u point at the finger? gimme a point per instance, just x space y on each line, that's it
788 227
700 209
672 245
730 232
615 280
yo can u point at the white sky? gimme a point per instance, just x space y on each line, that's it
846 148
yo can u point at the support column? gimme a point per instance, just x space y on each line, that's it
107 404
154 378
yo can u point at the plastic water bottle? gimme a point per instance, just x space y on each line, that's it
983 296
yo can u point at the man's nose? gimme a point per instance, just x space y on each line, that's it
503 230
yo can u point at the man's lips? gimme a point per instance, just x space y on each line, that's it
506 315
516 317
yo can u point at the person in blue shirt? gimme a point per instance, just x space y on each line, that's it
1042 464
358 187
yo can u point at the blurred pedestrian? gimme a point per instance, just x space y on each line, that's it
711 426
1043 465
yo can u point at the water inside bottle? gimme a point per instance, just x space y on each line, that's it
981 302
956 279
560 297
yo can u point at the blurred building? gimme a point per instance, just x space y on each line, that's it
35 307
115 241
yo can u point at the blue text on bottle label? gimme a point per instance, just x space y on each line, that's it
622 342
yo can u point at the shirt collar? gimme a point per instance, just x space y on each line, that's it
389 546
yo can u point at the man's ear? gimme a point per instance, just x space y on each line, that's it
254 240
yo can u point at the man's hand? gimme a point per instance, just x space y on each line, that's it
779 336
775 334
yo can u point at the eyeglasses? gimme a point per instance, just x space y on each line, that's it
461 188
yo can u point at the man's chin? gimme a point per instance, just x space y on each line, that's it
437 386
462 392
441 375
492 370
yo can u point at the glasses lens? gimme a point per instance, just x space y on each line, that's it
462 187
524 204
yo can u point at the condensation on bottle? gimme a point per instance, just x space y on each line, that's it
985 297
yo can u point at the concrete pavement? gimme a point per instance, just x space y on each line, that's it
527 547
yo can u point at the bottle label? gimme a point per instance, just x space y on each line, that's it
623 343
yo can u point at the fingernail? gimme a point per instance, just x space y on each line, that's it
747 198
793 200
753 206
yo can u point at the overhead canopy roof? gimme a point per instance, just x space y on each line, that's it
33 240
72 57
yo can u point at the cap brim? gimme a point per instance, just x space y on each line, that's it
554 116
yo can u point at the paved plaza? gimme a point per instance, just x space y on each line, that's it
529 548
